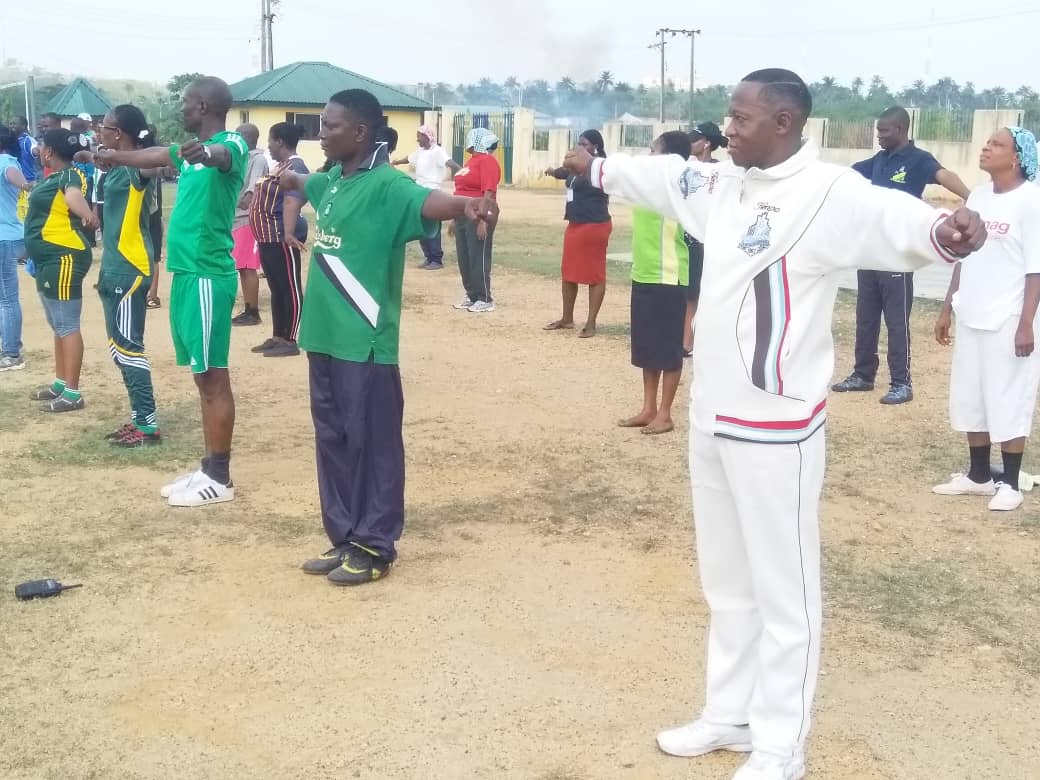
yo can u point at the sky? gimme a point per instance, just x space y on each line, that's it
900 40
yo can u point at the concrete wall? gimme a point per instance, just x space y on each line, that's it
406 123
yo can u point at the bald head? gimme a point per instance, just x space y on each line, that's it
215 93
250 132
206 103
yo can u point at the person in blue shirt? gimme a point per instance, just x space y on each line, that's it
900 165
26 144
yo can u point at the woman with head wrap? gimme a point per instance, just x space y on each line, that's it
479 177
994 293
428 161
585 241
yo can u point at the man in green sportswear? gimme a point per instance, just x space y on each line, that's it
204 283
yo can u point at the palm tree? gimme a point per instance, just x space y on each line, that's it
605 81
857 86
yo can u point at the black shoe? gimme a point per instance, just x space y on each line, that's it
327 561
248 317
282 349
898 394
854 383
432 266
359 565
265 346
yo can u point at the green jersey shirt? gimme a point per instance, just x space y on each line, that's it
352 306
199 234
51 230
127 239
659 251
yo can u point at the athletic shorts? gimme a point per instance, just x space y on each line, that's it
61 275
658 315
200 320
991 389
245 251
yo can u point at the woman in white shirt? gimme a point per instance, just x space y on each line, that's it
429 161
995 293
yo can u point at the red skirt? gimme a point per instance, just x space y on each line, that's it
585 252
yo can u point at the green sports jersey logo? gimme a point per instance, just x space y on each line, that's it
899 177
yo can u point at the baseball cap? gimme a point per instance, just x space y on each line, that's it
85 117
710 132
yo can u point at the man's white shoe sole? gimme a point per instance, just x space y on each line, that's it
942 490
732 747
193 499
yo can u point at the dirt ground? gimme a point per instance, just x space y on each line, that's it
544 620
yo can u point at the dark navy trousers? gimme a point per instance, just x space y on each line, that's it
358 411
889 295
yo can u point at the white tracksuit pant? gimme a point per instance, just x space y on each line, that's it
758 547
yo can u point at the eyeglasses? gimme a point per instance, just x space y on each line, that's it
108 127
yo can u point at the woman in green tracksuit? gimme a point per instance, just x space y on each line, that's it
127 264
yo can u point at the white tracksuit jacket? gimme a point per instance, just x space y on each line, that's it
773 240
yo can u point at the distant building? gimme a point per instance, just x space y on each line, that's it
298 93
79 97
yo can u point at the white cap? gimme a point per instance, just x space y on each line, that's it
85 117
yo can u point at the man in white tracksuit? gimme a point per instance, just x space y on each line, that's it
777 224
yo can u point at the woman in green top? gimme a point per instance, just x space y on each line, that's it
660 273
127 267
56 238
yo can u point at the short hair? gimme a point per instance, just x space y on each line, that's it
362 104
784 86
675 142
21 120
131 120
250 132
388 136
288 134
215 92
899 114
8 141
52 116
596 139
64 143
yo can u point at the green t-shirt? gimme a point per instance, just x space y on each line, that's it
352 306
199 234
51 230
127 239
659 251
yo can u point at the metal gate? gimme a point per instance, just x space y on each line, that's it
499 124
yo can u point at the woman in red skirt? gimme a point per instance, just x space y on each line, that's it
585 241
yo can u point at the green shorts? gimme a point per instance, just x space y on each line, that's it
200 320
60 276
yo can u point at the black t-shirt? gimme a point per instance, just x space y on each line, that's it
585 204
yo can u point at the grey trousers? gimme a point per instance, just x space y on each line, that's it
474 259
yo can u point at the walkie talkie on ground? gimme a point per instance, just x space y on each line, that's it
41 589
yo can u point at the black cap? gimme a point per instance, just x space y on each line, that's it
710 132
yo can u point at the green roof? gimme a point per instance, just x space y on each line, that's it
312 83
77 98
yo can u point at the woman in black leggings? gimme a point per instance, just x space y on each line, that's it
281 232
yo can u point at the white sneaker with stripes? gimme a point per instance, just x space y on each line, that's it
167 490
201 490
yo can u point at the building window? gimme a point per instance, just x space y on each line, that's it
243 117
311 124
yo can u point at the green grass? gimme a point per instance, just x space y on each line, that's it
535 248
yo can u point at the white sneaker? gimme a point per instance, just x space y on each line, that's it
960 485
464 304
763 766
482 306
201 490
701 737
1006 498
167 490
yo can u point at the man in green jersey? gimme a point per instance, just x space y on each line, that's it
366 213
204 285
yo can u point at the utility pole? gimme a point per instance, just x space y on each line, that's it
660 45
692 35
267 35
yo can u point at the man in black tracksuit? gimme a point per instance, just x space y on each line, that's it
900 165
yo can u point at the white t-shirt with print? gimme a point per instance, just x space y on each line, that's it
992 285
429 166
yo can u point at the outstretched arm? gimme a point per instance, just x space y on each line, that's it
952 182
441 207
152 157
673 187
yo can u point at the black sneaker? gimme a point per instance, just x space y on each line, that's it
264 346
43 393
898 394
326 562
431 266
63 404
359 566
248 317
853 384
283 349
